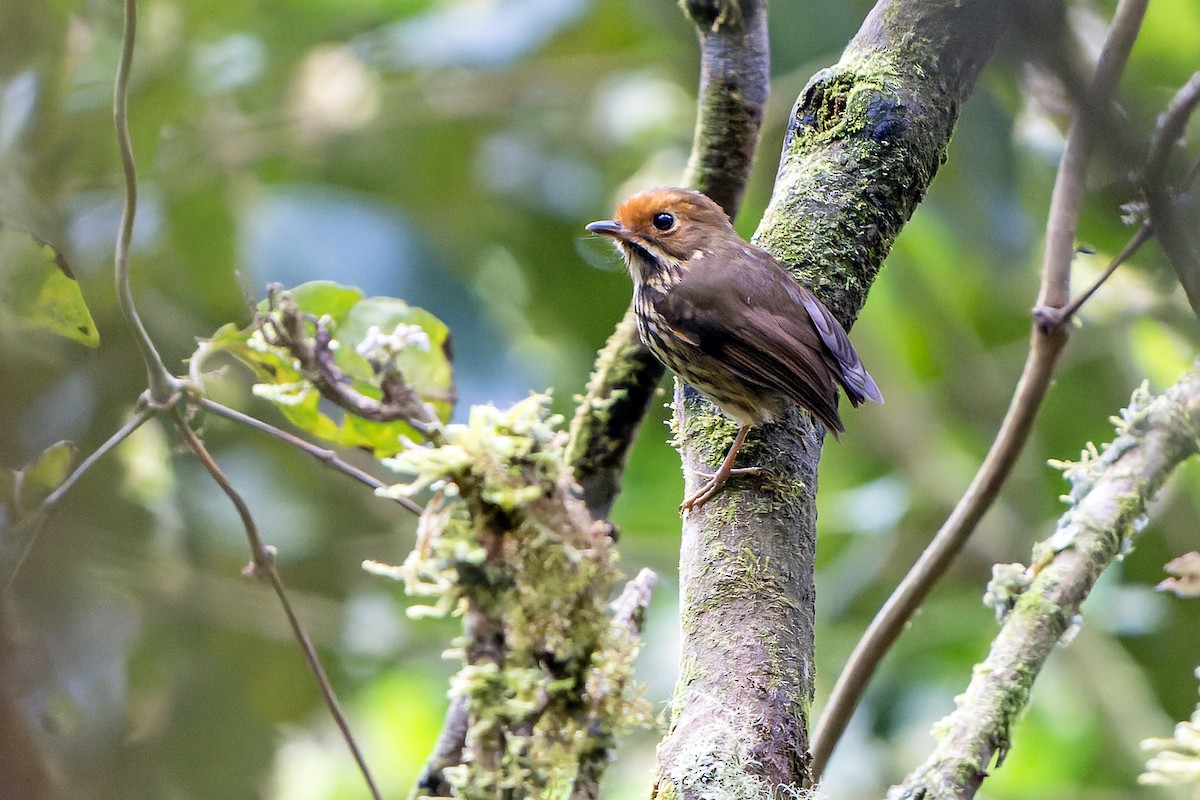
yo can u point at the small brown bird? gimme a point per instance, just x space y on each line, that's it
729 320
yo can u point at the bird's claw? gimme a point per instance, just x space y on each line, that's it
709 490
735 471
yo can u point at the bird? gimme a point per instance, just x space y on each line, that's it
729 320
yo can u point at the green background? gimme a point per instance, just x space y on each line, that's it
449 153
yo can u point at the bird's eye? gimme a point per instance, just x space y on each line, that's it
663 220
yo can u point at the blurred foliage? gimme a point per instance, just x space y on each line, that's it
370 341
447 152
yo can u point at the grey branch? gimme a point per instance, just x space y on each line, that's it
1048 338
1109 495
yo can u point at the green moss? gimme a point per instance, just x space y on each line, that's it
616 366
548 676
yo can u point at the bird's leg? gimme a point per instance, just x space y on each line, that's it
710 489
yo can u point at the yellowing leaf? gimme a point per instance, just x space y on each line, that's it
38 289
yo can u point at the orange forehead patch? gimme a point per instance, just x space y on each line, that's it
637 210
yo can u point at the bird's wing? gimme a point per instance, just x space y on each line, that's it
763 348
859 384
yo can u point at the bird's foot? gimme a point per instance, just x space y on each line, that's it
707 492
732 472
710 489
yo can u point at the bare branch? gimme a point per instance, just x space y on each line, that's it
162 384
1175 236
26 532
322 454
262 565
1067 197
1064 316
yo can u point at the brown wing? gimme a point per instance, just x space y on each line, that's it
853 376
730 320
772 334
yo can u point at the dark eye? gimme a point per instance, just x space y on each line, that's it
663 220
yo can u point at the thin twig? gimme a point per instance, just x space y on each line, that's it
29 528
322 454
1171 126
1047 343
1144 232
1067 197
1192 173
263 565
162 384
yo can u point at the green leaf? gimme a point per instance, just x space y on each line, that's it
407 339
38 289
323 298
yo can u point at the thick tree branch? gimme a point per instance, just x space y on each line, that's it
1109 496
865 140
733 91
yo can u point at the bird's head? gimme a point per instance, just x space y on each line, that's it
661 231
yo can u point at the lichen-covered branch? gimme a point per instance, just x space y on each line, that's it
733 92
864 141
1110 490
547 682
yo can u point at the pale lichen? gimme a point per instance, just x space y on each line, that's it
506 543
1176 761
1008 582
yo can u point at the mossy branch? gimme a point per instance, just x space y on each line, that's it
865 139
1110 490
734 80
547 683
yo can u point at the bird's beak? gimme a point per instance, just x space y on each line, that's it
608 227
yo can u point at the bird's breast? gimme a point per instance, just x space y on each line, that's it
682 353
